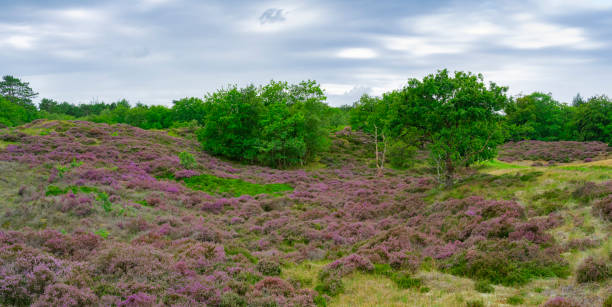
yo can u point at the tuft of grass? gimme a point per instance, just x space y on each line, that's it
515 300
235 187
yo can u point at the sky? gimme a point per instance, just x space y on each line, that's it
156 51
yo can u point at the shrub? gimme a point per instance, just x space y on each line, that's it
603 208
269 267
515 300
331 285
187 160
483 287
231 299
65 295
560 302
593 270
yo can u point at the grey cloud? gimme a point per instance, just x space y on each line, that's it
272 15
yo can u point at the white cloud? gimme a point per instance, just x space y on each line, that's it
336 88
357 53
461 31
20 41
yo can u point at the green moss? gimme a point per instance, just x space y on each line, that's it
235 187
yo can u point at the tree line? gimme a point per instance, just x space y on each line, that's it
456 117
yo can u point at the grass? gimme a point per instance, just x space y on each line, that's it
533 187
234 187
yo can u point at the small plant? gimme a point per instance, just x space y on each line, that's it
515 300
483 286
187 160
102 233
474 303
592 270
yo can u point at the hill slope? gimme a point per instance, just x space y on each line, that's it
108 215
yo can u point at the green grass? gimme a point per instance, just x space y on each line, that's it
235 187
499 165
55 190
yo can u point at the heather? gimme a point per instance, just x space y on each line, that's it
118 220
561 151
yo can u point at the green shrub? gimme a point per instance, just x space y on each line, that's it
483 286
331 285
515 300
188 161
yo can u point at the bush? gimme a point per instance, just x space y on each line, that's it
269 267
187 160
65 295
593 270
401 155
483 287
515 300
560 302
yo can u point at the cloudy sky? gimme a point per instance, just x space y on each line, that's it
154 51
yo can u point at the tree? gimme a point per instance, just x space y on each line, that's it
536 117
459 115
17 91
592 120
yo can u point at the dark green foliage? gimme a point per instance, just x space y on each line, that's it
18 92
278 125
483 286
401 155
592 120
537 117
12 114
320 301
235 187
515 300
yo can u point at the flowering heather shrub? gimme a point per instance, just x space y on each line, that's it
138 300
603 208
560 302
66 295
562 151
269 267
171 244
593 270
